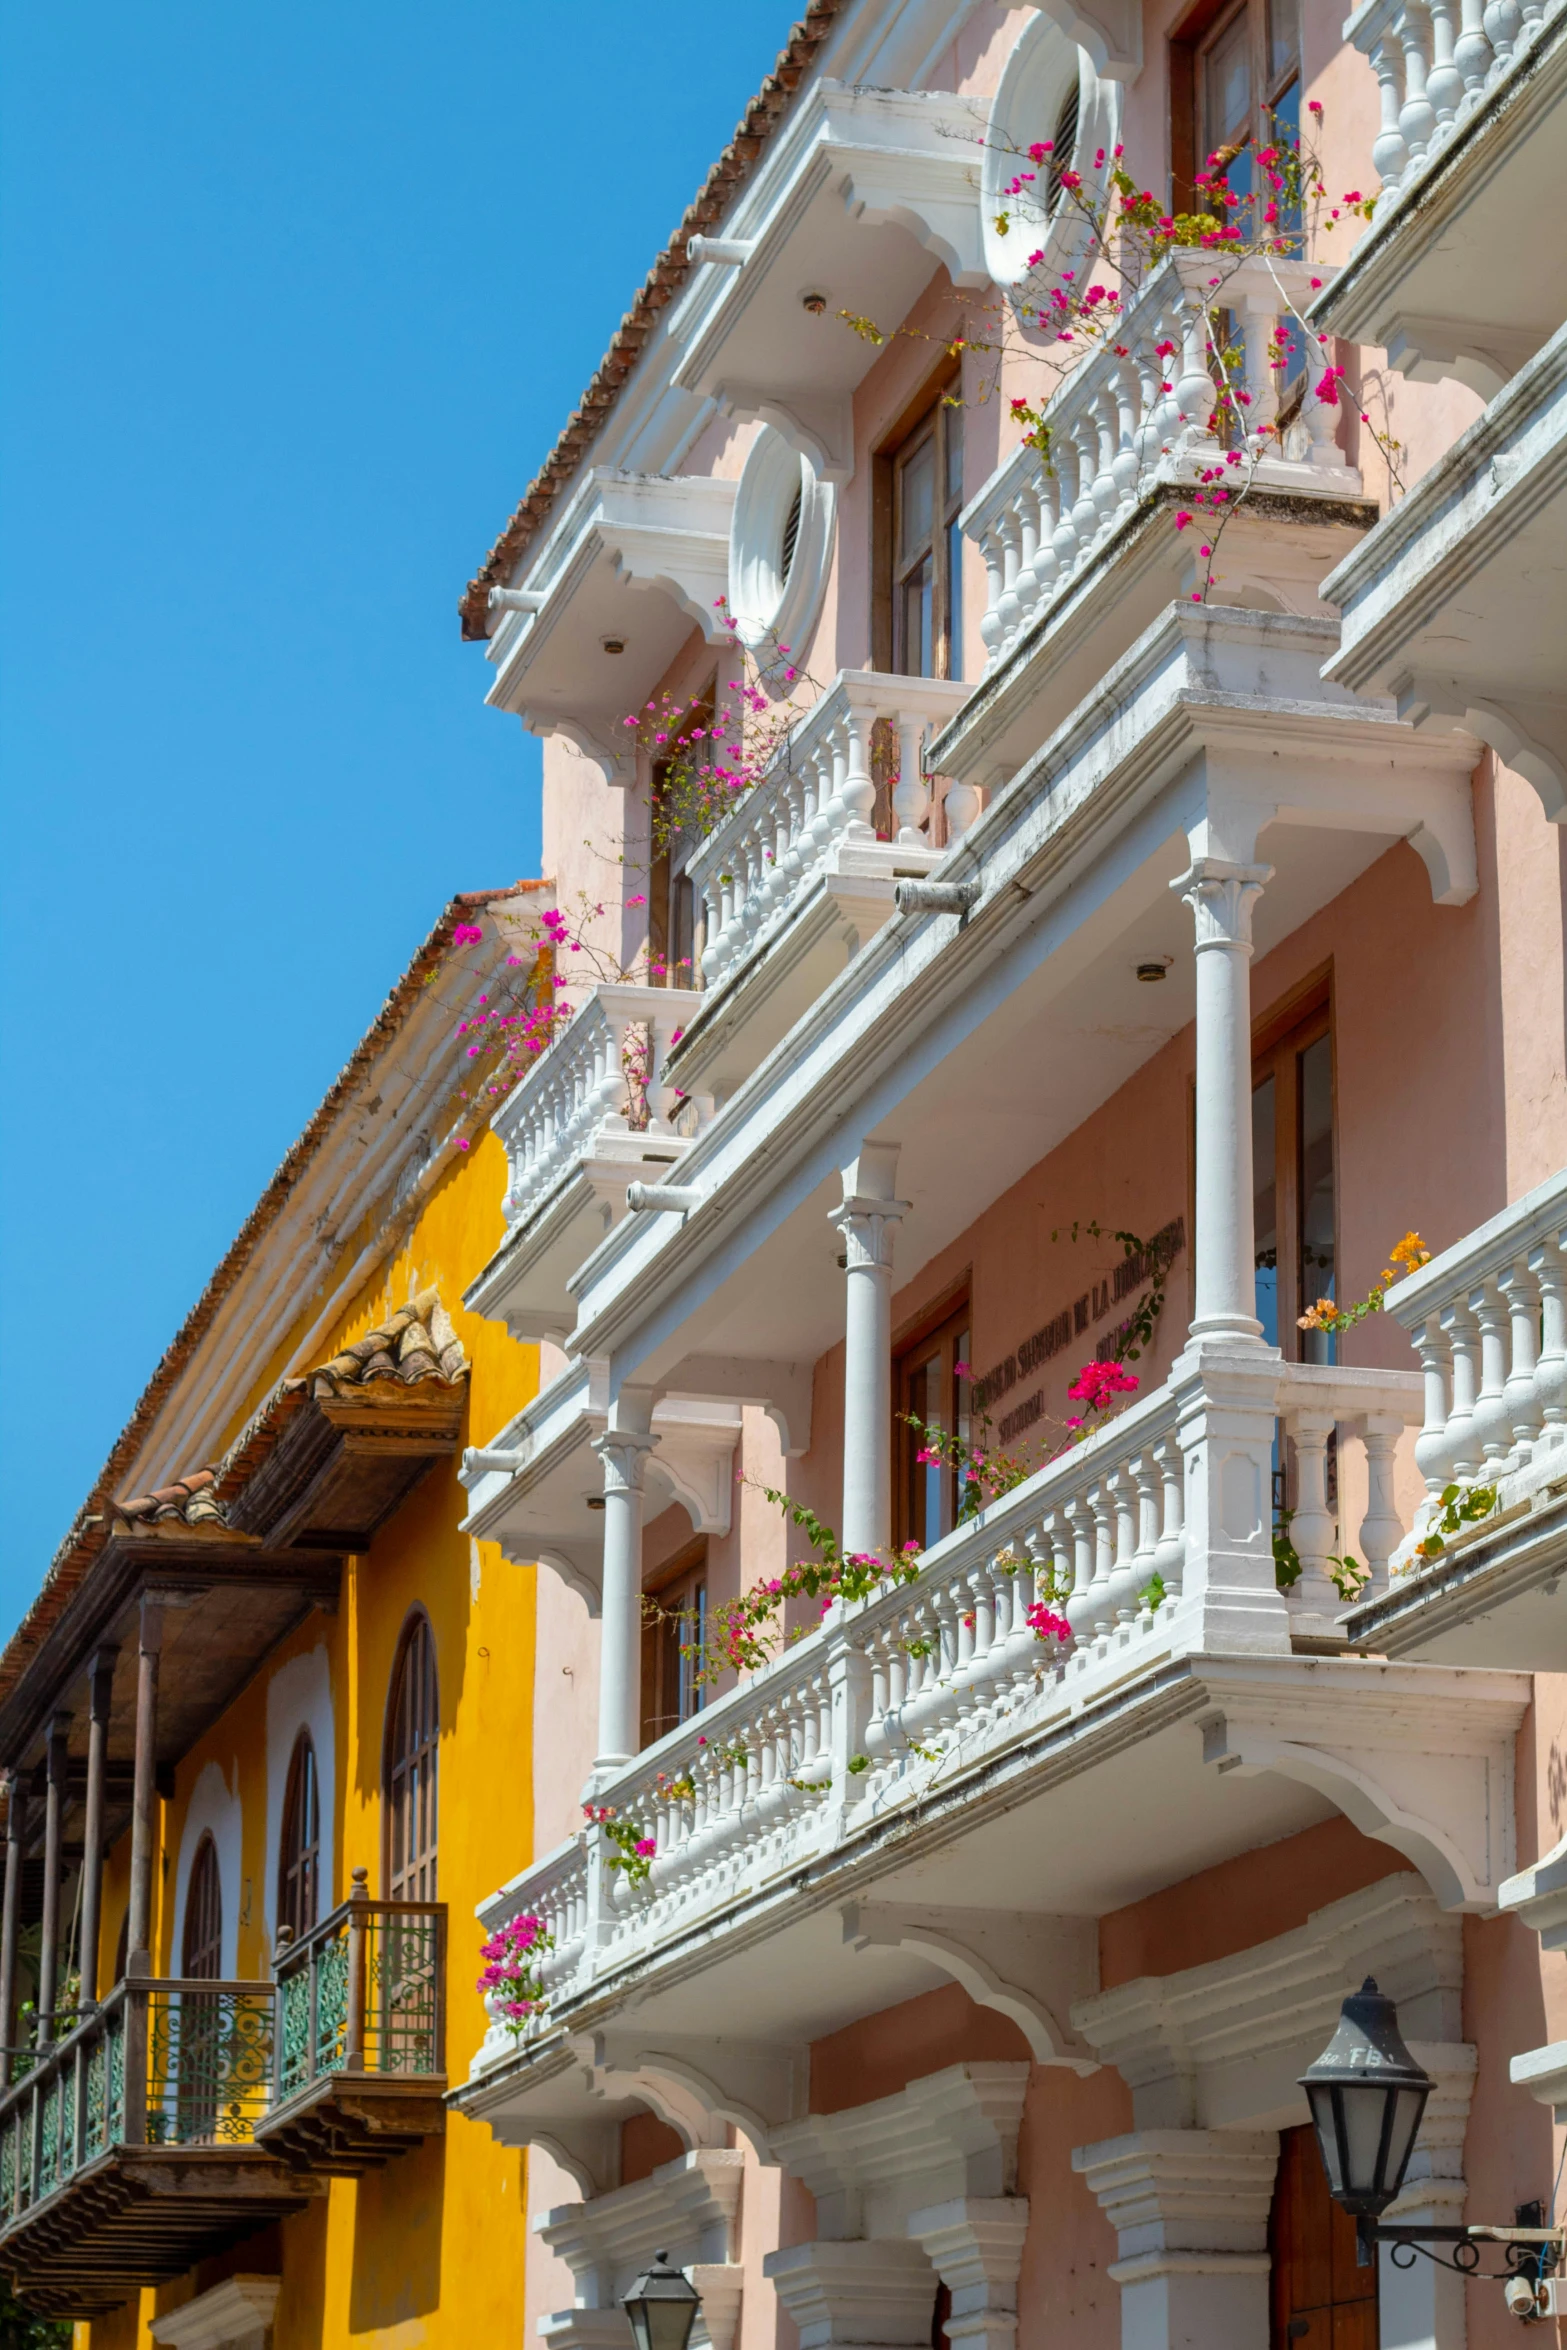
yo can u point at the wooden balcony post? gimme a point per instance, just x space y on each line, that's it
139 1935
49 1937
15 1837
100 1682
285 1940
135 2028
358 1932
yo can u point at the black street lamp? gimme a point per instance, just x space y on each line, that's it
1367 2095
661 2307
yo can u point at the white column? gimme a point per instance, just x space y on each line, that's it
623 1449
1221 896
1190 2211
867 1220
976 2248
847 2296
1422 2307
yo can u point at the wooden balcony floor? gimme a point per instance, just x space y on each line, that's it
346 2123
138 2214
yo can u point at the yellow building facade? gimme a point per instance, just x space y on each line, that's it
369 1711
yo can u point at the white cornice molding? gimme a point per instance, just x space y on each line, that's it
950 2136
1221 2046
687 2207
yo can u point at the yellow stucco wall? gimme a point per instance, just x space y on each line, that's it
430 2248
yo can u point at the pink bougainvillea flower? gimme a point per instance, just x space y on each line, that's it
467 934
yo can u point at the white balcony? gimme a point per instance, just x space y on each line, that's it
633 564
795 880
1216 727
1457 602
1080 554
845 1828
1488 1320
860 196
1448 279
578 1128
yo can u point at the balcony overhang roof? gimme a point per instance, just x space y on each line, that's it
864 195
1212 712
636 560
1456 604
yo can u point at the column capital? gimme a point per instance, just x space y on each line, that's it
623 1452
868 1226
1221 896
876 2290
1196 2201
975 2245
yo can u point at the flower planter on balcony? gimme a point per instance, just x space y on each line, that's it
360 2061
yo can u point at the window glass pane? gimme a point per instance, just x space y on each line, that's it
934 1475
1227 86
1316 1188
1284 126
916 499
1283 39
952 430
917 603
1265 1207
691 1632
954 600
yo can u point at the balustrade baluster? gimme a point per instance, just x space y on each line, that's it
1007 606
1462 1334
1520 1294
1102 1594
1170 1553
1549 1268
991 631
1433 1453
1388 150
1444 84
1380 1528
1491 1424
1028 553
1417 117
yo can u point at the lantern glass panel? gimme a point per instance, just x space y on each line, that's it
1365 2112
1324 2113
1407 2111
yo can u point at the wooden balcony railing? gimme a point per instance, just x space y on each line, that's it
360 2063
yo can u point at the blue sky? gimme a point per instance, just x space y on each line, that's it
297 298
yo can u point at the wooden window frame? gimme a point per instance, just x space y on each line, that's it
305 1862
932 393
946 1322
1193 38
403 1883
685 1573
1278 1042
204 1872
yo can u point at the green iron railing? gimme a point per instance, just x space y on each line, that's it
363 1992
160 2063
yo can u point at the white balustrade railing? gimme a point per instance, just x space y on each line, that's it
815 800
1434 61
930 1676
580 1091
1488 1320
1136 413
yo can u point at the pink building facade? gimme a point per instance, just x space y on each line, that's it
1144 910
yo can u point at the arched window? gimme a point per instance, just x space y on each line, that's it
201 1959
413 1723
299 1856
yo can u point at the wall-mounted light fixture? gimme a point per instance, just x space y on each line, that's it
661 2307
1367 2095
